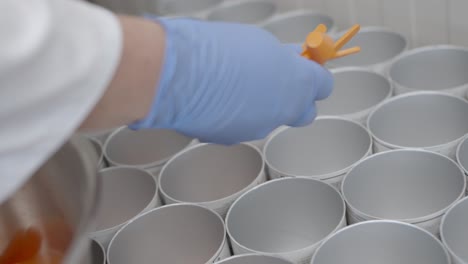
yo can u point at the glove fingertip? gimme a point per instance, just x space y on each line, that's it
306 119
324 83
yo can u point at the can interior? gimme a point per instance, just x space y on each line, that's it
171 234
244 12
125 193
366 88
254 259
139 148
376 47
325 146
211 172
401 185
432 69
285 215
174 7
295 27
455 231
383 243
420 120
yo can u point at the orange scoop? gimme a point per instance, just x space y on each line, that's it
321 48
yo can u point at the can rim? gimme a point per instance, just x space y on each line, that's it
403 96
370 222
261 172
323 176
412 52
159 209
414 220
274 181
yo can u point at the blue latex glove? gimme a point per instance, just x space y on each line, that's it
227 83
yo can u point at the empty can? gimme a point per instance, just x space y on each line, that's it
427 120
294 26
379 48
324 150
243 11
126 192
172 234
286 218
254 259
211 175
413 186
144 149
436 68
381 242
454 232
355 94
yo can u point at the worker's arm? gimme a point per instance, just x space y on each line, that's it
133 87
219 82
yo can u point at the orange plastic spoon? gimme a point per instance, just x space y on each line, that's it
321 48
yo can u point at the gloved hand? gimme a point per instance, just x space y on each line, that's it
227 83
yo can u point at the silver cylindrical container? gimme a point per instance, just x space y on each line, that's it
324 150
379 48
243 11
454 232
294 26
126 192
145 149
179 233
211 175
286 218
355 94
382 242
254 259
428 120
413 186
98 254
462 156
54 209
435 68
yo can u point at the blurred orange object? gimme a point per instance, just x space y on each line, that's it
321 48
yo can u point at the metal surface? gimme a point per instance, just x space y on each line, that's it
413 186
286 217
211 175
98 254
325 150
254 259
58 202
381 242
379 47
145 149
355 94
243 11
454 232
172 234
430 120
436 68
126 192
294 26
462 154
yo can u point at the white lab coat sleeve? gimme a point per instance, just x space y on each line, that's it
56 59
